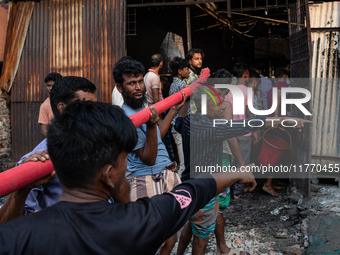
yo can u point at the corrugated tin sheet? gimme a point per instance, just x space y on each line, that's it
29 85
325 15
73 37
29 137
20 16
325 23
103 42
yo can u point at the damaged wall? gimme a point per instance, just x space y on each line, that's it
325 35
5 131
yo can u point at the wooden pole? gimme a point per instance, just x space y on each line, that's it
188 21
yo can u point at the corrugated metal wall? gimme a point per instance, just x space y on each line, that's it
72 37
325 24
19 19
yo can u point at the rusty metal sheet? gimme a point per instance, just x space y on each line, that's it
26 138
86 39
28 85
65 37
325 24
104 21
73 37
19 20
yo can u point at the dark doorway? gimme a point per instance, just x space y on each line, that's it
256 30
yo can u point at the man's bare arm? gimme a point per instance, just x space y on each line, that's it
43 129
232 142
148 153
165 124
155 94
14 205
275 122
184 110
235 150
224 181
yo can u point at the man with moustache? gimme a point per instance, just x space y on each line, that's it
195 59
152 171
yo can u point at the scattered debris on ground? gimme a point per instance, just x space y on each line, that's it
323 214
289 224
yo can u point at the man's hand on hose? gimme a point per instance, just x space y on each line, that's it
39 156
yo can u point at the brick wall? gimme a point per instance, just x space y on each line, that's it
5 131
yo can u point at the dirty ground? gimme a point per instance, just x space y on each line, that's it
289 224
323 211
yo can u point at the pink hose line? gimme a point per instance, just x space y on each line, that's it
22 175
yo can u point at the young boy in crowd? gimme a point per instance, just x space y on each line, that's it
180 71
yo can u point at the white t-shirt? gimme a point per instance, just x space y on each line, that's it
152 81
117 98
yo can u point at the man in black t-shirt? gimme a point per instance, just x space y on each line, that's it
88 145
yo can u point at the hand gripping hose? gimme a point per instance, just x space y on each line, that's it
22 175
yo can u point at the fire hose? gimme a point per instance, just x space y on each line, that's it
24 174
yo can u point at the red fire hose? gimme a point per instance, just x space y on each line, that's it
22 175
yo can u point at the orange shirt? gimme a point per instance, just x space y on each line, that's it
45 112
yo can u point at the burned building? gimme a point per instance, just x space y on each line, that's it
87 37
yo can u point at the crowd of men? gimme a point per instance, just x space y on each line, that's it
115 189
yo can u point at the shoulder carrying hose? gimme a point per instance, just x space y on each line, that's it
22 175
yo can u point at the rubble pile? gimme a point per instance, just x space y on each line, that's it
261 224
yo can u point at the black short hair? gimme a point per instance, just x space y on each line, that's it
221 76
253 76
283 63
279 72
191 53
178 63
260 66
87 136
65 88
156 59
222 73
239 70
128 67
52 77
125 58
